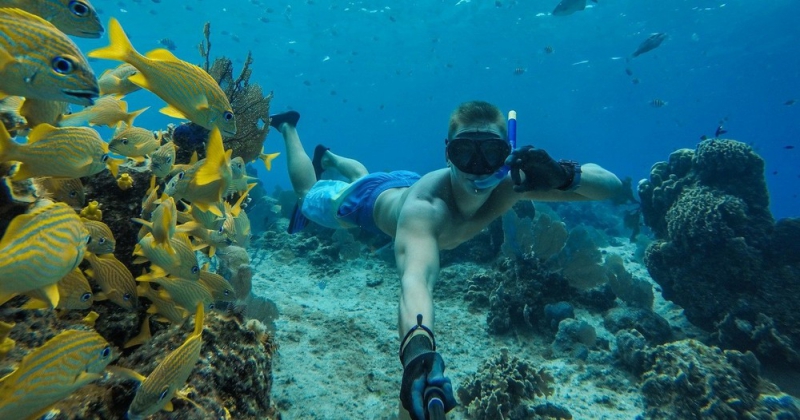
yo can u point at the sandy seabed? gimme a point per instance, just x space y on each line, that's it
338 341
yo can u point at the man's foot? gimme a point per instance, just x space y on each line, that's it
288 117
319 151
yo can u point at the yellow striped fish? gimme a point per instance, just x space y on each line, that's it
74 293
39 61
239 178
6 344
205 182
103 241
220 238
162 159
10 112
163 306
268 158
66 190
221 289
52 372
115 81
73 17
38 111
182 263
69 152
185 293
134 141
164 220
39 249
156 391
114 279
108 111
190 92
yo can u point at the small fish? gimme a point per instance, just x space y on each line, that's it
76 18
628 71
10 113
182 263
788 147
162 306
157 390
790 102
74 293
39 61
168 44
103 241
221 289
133 141
187 294
520 70
549 50
114 279
162 223
657 103
37 111
53 371
268 158
241 222
65 190
568 7
108 111
162 160
115 81
39 248
150 200
205 182
239 179
222 237
67 152
189 91
720 130
650 44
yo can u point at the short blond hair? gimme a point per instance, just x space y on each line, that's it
476 112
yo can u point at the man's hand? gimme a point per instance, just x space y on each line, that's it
541 171
424 371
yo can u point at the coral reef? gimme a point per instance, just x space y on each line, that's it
687 379
717 248
503 388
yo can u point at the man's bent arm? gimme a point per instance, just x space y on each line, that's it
417 256
596 183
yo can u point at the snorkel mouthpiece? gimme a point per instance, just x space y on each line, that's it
492 180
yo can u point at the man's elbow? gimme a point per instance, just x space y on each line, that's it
605 184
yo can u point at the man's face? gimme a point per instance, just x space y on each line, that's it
478 150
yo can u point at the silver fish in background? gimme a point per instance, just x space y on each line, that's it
73 17
649 44
39 61
568 7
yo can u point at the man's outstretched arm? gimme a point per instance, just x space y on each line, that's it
417 255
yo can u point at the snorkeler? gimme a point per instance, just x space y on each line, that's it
485 175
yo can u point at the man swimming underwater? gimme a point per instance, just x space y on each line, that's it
484 177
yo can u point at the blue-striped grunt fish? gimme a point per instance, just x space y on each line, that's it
162 159
38 111
163 223
162 306
219 238
74 293
157 390
185 293
39 61
39 248
115 81
108 111
114 279
6 344
67 152
134 141
66 190
182 263
73 17
221 289
103 241
205 182
190 92
239 178
52 372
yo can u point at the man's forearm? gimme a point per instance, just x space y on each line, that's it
415 298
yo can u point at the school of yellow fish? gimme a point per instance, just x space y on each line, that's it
58 250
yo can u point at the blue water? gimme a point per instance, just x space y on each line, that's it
377 80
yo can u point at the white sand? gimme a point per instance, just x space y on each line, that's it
337 355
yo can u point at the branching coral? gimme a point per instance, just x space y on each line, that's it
502 388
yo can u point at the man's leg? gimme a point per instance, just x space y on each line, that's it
350 168
301 171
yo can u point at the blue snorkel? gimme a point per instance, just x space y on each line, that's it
495 178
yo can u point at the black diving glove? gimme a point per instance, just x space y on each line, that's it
541 171
423 375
